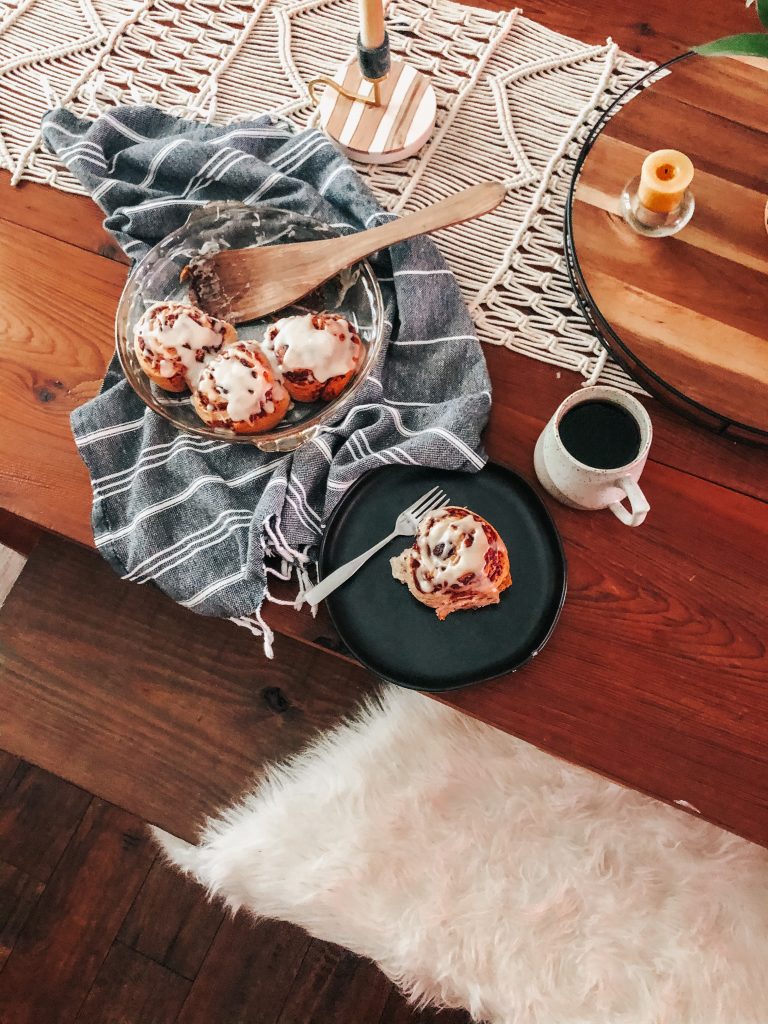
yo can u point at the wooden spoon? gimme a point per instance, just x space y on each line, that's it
244 284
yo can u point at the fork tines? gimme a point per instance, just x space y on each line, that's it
427 503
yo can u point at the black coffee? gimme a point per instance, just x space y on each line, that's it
600 434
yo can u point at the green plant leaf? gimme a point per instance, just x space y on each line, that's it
762 12
748 44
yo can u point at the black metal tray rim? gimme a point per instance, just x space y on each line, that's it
589 308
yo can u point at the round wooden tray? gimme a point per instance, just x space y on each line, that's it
686 315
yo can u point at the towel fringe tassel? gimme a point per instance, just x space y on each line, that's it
256 624
295 564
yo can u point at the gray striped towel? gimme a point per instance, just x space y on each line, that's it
198 517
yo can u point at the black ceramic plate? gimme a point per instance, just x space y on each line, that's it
403 641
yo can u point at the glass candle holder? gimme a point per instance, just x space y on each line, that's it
659 201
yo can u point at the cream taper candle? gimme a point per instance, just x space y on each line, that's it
371 23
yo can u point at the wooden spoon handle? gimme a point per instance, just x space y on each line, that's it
471 202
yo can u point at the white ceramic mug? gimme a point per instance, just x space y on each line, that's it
586 487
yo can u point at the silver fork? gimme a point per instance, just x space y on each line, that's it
406 526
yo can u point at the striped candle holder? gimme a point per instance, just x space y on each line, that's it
376 109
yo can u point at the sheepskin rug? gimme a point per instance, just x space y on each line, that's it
479 872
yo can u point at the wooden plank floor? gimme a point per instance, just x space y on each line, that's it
95 929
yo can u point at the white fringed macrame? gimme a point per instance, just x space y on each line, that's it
514 100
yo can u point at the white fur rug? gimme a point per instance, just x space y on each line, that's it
481 873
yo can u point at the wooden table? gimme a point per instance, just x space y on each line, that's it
657 675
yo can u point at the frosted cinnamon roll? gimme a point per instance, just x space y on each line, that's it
458 561
172 341
238 390
317 354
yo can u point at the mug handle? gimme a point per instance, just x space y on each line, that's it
639 507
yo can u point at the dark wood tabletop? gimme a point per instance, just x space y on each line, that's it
657 675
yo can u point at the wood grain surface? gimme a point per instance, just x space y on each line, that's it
656 673
329 982
37 821
131 987
257 981
19 893
169 923
8 765
169 721
57 306
107 855
66 959
691 309
164 718
654 29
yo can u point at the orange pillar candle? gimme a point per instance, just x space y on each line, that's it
664 177
371 23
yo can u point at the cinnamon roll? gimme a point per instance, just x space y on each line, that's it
172 341
317 354
458 561
238 390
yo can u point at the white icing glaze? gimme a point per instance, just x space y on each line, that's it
231 377
328 352
182 342
456 558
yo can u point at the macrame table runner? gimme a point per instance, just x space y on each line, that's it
514 100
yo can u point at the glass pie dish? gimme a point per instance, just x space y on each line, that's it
353 294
